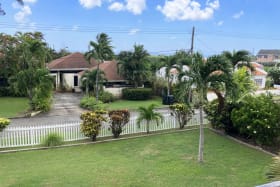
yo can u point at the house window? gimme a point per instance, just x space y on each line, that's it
75 80
259 82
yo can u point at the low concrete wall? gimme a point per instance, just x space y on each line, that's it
117 92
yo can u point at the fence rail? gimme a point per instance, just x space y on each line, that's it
33 135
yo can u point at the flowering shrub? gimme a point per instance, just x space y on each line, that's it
92 122
119 118
258 118
182 112
4 123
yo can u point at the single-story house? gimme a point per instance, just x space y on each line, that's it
65 71
259 75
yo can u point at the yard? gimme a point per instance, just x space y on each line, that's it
13 106
160 160
127 104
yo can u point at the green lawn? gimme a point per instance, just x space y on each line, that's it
127 104
13 106
161 160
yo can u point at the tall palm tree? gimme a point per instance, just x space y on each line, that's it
148 114
101 50
88 80
134 65
203 74
238 58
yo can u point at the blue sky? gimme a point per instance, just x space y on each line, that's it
161 26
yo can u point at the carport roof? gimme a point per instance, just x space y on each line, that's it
73 61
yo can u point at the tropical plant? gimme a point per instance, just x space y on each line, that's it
239 58
106 97
182 112
88 81
4 123
90 103
134 66
274 73
204 75
92 122
101 50
118 119
52 139
148 114
258 118
274 169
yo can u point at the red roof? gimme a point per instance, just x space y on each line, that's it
110 69
75 61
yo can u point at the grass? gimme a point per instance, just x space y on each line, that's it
127 104
161 160
13 106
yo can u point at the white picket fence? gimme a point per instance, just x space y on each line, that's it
33 135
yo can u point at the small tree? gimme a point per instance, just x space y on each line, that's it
92 122
148 114
119 118
182 112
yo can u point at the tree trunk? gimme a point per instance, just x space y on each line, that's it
168 86
221 100
201 134
96 82
148 127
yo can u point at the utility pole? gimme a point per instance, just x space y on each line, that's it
191 50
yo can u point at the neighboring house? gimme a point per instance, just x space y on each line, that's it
268 56
259 75
65 71
161 73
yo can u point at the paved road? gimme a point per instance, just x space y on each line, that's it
65 108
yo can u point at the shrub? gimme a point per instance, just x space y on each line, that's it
274 169
106 97
92 122
52 139
258 118
119 118
43 104
90 103
182 112
4 123
137 93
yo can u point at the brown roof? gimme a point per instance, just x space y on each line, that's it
110 69
73 61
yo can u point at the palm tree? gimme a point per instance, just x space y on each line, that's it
148 114
89 79
101 50
134 66
239 58
203 74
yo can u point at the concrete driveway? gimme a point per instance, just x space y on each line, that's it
65 108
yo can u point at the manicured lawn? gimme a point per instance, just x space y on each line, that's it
13 106
161 160
126 104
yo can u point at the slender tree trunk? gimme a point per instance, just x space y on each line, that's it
148 127
168 86
96 82
201 132
221 100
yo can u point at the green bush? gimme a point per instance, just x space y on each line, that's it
106 97
118 119
92 122
52 139
258 118
90 103
137 93
182 112
4 123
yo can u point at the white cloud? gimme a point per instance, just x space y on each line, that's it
220 23
134 6
238 15
75 27
117 6
90 3
188 9
133 31
22 15
29 1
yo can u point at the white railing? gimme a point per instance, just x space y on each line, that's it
33 135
